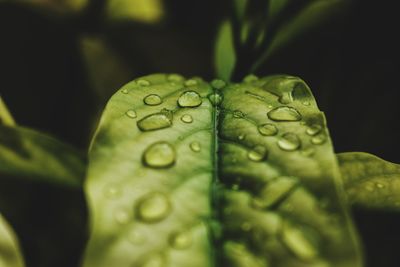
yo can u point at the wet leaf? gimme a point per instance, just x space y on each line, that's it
369 181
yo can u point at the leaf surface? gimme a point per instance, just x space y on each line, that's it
150 176
10 255
369 181
281 201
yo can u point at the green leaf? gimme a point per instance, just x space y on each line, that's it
225 55
32 156
10 253
150 175
281 198
5 115
159 195
58 7
369 181
311 16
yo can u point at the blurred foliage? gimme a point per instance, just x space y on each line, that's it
62 60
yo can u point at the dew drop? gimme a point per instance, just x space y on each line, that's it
218 83
180 240
121 216
298 243
250 78
175 78
112 191
153 207
306 103
157 260
215 98
186 118
289 142
257 153
189 99
318 139
273 191
195 146
191 82
238 114
286 98
124 91
308 152
131 114
314 129
143 82
267 129
159 155
152 100
284 114
156 121
136 237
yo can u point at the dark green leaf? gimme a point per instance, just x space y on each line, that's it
33 156
225 55
10 253
281 200
369 181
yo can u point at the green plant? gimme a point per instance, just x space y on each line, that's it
184 172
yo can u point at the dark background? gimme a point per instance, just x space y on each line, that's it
351 64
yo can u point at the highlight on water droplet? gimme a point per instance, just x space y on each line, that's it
284 113
313 129
215 98
143 82
186 118
195 146
257 153
306 103
289 142
136 237
159 155
189 99
175 78
121 215
267 129
131 114
218 84
156 121
112 191
152 100
180 240
124 91
318 139
153 207
191 82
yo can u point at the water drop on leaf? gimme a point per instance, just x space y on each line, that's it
186 118
131 114
156 121
218 83
153 207
319 139
191 82
298 243
152 100
289 142
143 82
238 114
314 129
180 240
121 216
215 98
124 91
250 78
267 129
257 153
284 114
159 155
195 146
189 99
175 78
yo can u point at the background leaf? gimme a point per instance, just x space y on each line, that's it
369 181
225 55
10 254
5 115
